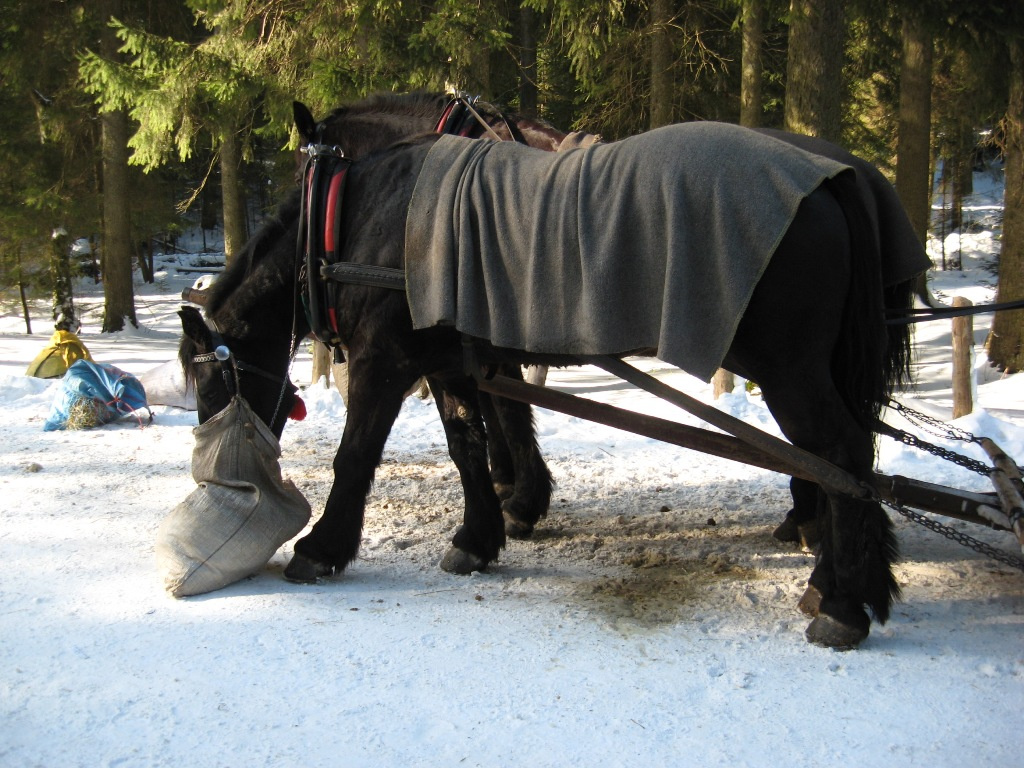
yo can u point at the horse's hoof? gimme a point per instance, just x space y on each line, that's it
809 536
461 562
517 529
810 602
788 532
831 633
304 570
804 534
504 490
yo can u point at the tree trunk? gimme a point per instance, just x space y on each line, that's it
527 61
751 67
751 109
913 154
662 76
144 255
118 292
64 318
232 195
21 291
1006 340
814 68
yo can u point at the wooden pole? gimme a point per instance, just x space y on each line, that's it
963 372
722 383
321 364
1006 477
978 508
825 474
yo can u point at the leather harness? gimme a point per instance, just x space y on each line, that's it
323 183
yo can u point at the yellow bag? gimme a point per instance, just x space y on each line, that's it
63 350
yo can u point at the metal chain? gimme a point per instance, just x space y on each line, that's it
937 427
937 450
941 429
954 535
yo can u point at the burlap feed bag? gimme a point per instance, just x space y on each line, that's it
233 523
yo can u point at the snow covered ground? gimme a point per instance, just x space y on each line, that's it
652 620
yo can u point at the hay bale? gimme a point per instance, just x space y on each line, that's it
84 413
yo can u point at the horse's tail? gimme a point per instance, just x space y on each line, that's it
898 299
875 360
871 363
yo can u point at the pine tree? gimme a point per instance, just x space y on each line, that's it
180 90
47 145
1006 340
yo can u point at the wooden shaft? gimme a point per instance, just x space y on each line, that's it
962 505
1006 478
980 508
705 441
1002 461
822 472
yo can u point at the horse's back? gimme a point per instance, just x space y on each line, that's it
606 249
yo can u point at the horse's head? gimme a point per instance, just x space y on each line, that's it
252 311
217 365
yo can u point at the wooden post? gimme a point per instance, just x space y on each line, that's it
722 383
963 372
321 363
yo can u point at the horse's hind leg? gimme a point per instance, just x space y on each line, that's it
857 546
482 535
516 458
795 344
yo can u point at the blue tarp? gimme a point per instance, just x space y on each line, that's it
109 392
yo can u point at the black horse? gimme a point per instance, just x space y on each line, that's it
812 335
518 472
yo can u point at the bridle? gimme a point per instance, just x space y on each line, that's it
232 367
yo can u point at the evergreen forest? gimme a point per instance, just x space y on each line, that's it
126 122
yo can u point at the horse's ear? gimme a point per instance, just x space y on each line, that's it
194 327
304 121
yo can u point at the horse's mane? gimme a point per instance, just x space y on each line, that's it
419 104
427 107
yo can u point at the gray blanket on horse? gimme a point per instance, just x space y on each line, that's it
654 242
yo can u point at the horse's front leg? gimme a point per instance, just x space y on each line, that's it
482 534
375 398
